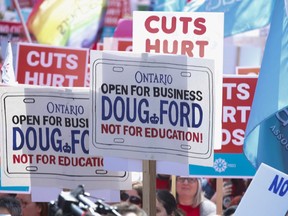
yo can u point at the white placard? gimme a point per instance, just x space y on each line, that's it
266 194
45 139
197 35
152 107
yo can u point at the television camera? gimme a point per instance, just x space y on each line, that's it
78 203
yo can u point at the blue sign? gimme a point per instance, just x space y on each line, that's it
226 165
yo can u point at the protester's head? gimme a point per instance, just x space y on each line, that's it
166 204
133 196
30 208
128 209
230 210
189 191
10 206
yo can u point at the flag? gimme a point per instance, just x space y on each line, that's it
66 23
266 135
240 16
7 70
168 5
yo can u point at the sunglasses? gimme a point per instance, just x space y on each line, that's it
132 199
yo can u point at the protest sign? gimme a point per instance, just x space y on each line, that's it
242 70
51 66
116 11
14 189
266 194
120 44
45 133
197 35
152 107
238 93
12 30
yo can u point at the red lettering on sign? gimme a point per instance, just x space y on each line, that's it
185 47
169 25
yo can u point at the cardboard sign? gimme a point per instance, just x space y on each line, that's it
238 93
51 66
45 140
266 194
198 35
149 106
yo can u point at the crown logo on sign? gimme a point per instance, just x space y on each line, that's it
154 119
67 148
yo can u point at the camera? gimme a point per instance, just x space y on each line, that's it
78 203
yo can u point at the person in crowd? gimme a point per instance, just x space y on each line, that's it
190 197
233 190
166 204
9 205
128 209
30 208
133 196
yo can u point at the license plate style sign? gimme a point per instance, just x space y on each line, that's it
152 107
46 135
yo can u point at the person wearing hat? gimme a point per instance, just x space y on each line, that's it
190 197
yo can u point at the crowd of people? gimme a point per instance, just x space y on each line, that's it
194 197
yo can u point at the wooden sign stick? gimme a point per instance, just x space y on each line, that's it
149 186
219 195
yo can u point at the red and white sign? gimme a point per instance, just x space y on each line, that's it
120 44
247 70
12 30
238 94
124 44
116 10
51 66
198 35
